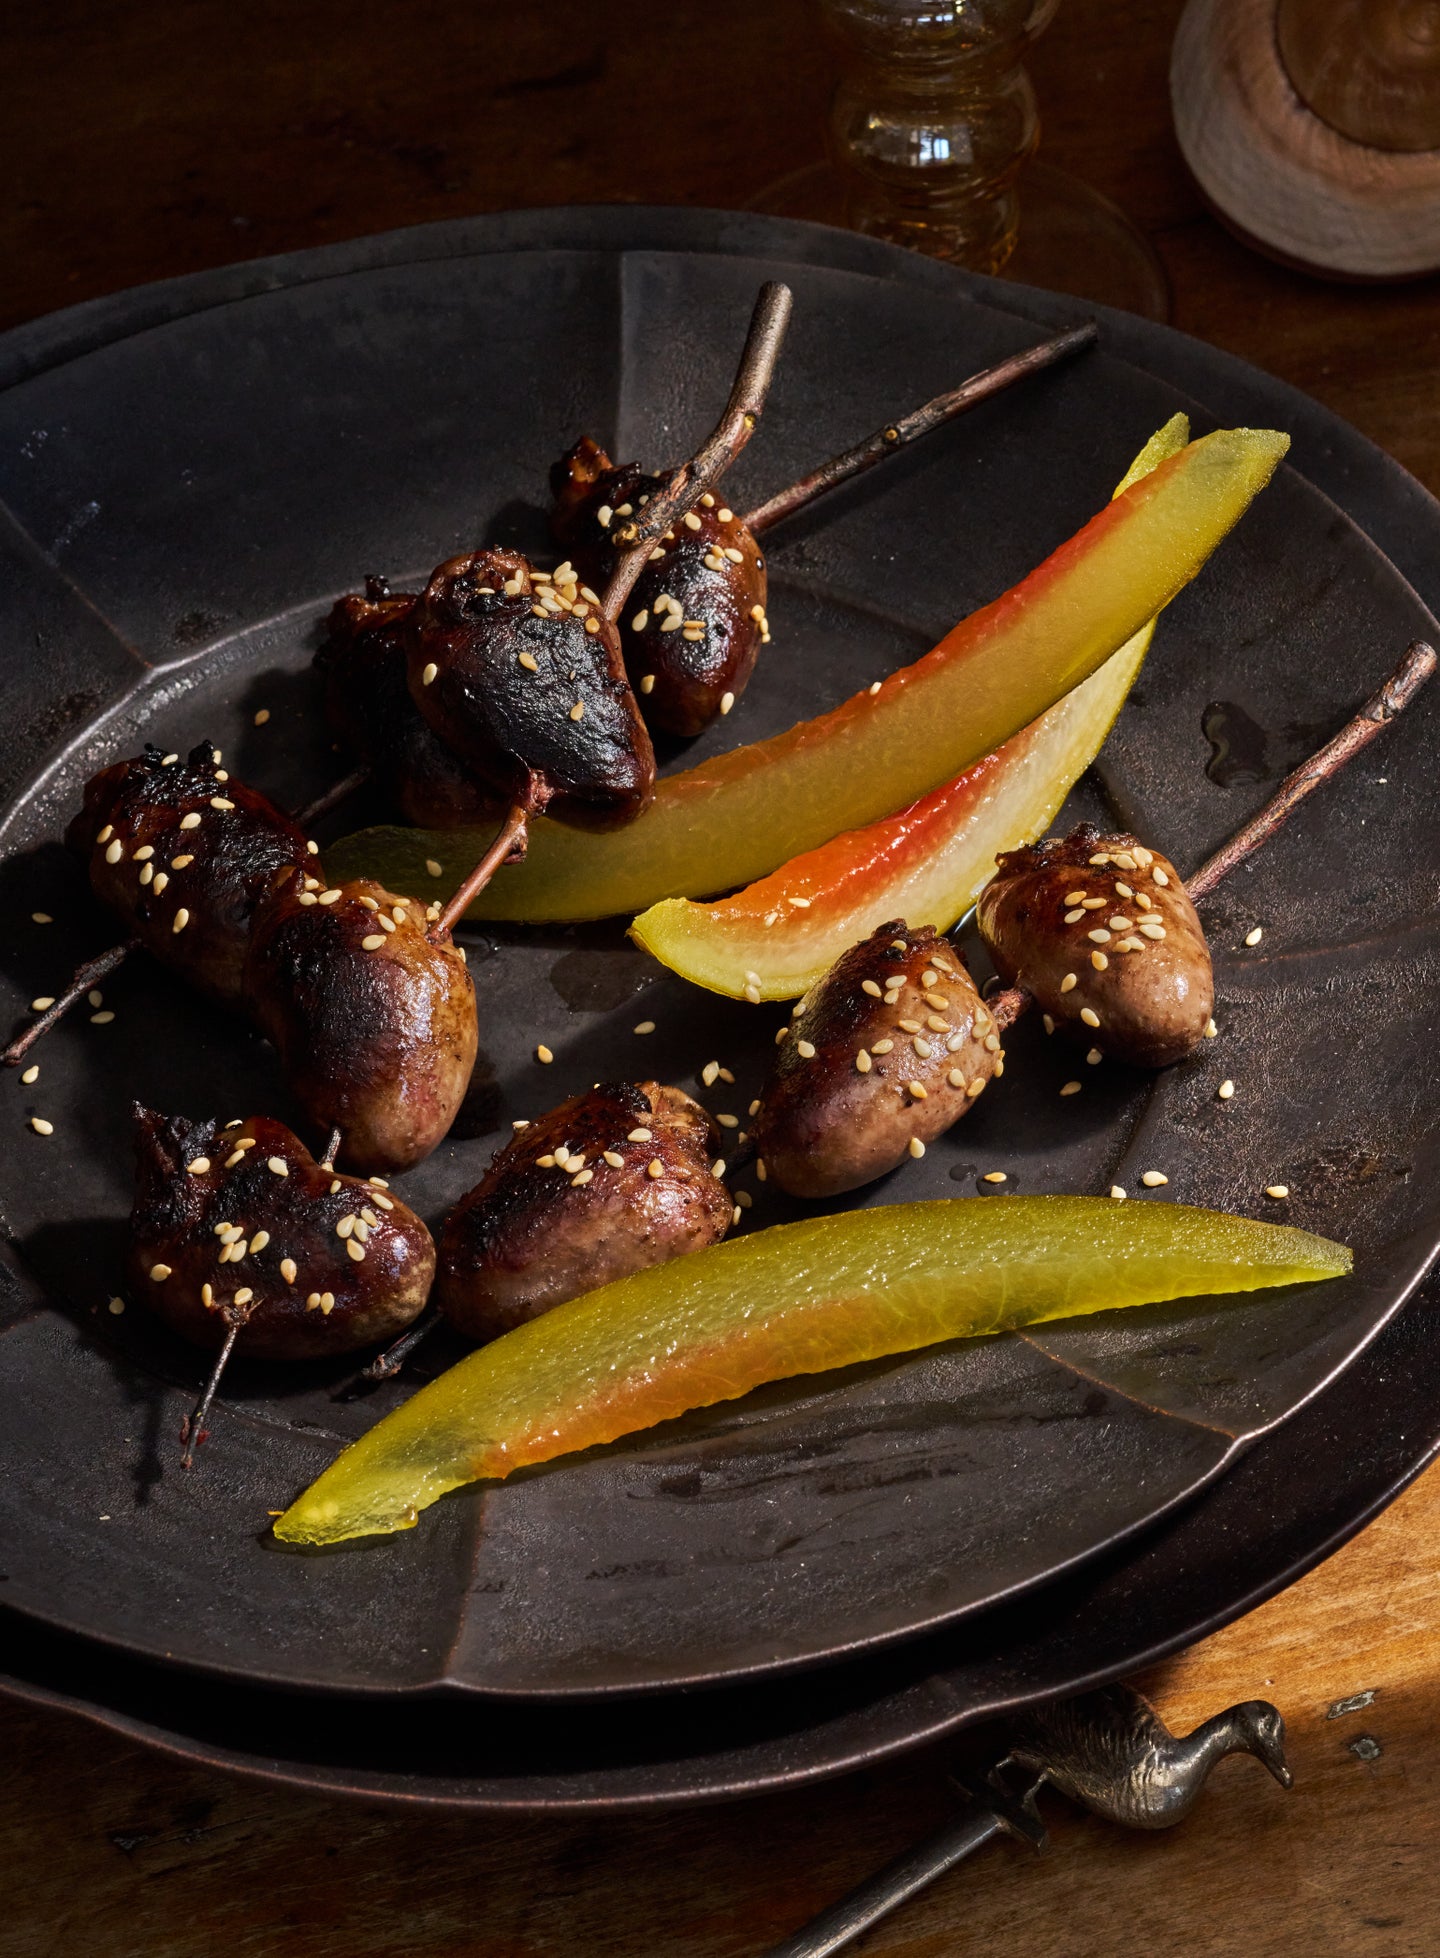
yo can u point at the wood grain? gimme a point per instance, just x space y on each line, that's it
151 141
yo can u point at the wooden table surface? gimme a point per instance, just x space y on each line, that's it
145 141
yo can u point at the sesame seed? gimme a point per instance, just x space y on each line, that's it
780 1034
908 1026
1089 1016
709 1073
372 941
1152 928
244 1295
42 1003
1211 1029
545 1162
995 1176
432 866
735 557
654 1168
306 897
1099 936
863 1064
329 897
1094 1057
805 1049
591 625
881 1046
916 1147
645 1026
31 1074
1145 903
1068 983
917 1090
1130 945
647 683
1047 1022
936 1024
1254 937
386 924
259 1240
356 1250
312 847
1125 860
543 1053
198 1166
718 1168
181 863
692 522
159 1273
992 1043
1099 961
335 1187
115 852
1277 1190
219 802
41 918
102 1019
192 821
345 1227
1074 917
1153 1178
1159 876
1119 924
104 835
182 918
727 701
288 1270
1226 1090
1117 1192
1071 1088
577 712
869 986
976 1086
1092 904
922 1047
760 1170
41 1126
582 1177
714 561
752 993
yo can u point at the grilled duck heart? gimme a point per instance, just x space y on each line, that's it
184 853
373 1017
888 1051
695 621
1101 931
242 1224
522 678
606 1184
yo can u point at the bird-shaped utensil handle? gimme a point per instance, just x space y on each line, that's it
1108 1750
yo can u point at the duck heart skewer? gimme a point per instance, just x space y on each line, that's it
1169 1026
514 689
612 1181
895 1044
682 673
698 620
370 1006
240 1240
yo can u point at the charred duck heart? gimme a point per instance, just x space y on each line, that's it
522 678
362 664
183 854
242 1224
695 621
888 1051
602 1186
374 1019
1101 932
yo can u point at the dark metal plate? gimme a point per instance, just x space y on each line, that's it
1292 1500
200 488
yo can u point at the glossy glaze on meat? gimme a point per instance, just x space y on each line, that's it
1102 932
241 1222
373 1016
606 1184
362 664
885 1053
522 678
183 853
695 622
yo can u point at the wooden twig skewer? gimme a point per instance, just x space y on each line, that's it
85 977
337 793
920 421
193 1430
1323 766
730 435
